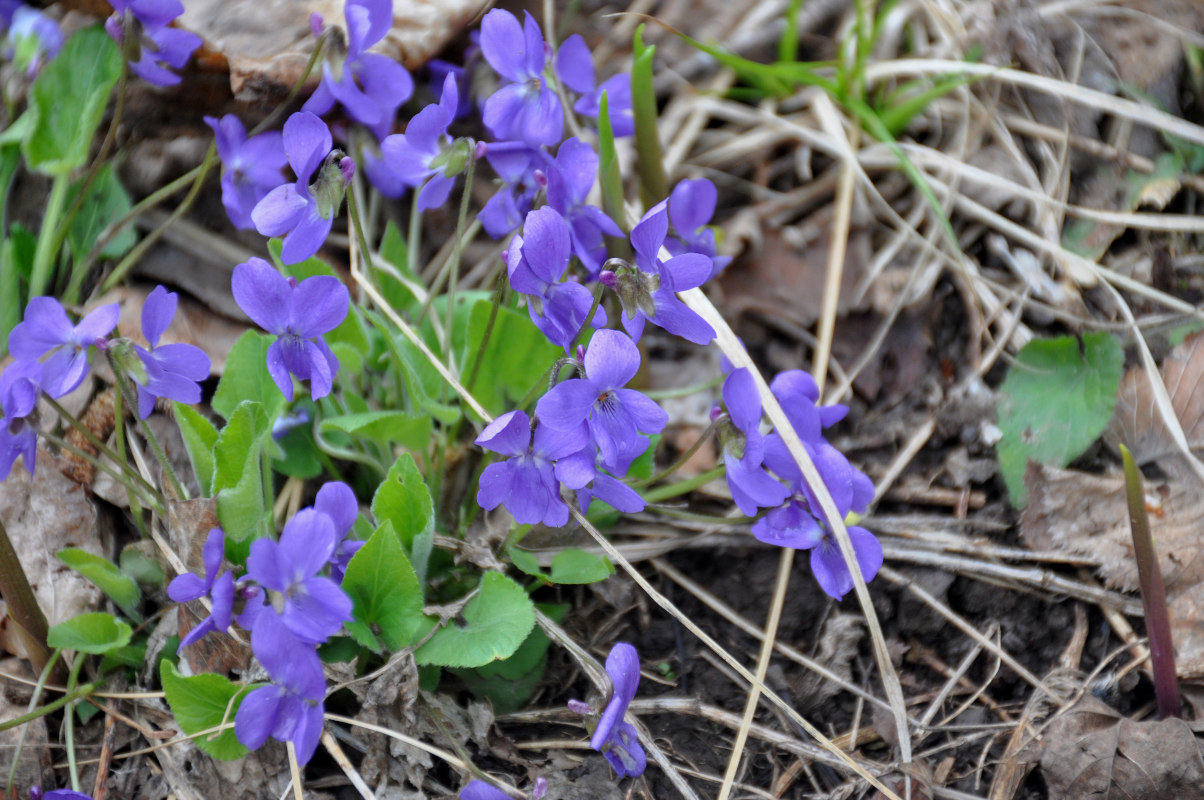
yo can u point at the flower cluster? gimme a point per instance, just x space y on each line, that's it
52 357
290 600
143 28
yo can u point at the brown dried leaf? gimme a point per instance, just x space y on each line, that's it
1091 751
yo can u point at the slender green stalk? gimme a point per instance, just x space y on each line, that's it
154 500
23 609
457 251
579 337
44 255
1153 594
788 44
131 399
69 719
52 666
681 460
654 184
683 487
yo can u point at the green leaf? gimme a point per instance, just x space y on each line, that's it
106 202
577 566
404 499
1056 400
238 472
496 622
516 357
399 285
411 430
142 567
388 600
120 588
609 175
509 683
68 100
16 262
200 437
654 186
246 377
96 633
202 702
301 457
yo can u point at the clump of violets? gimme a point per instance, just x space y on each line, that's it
171 370
143 28
648 291
46 331
303 212
525 108
251 167
613 737
796 524
371 87
298 313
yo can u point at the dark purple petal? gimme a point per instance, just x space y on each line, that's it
316 609
267 566
306 544
789 526
679 319
644 412
542 119
308 732
307 237
256 716
546 243
280 210
648 235
157 311
687 271
752 487
616 493
479 790
494 486
551 443
509 434
570 181
434 193
263 294
64 371
185 588
211 554
623 667
504 109
535 56
529 501
184 360
45 325
831 573
360 107
336 500
742 399
504 46
611 360
279 371
691 205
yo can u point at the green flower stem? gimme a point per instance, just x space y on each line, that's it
127 473
69 718
278 111
119 428
654 184
684 391
45 674
23 608
1153 594
579 337
139 250
454 263
131 399
155 500
683 487
682 459
44 255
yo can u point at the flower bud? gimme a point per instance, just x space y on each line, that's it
333 177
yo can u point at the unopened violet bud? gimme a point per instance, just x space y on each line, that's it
540 788
331 184
541 178
125 361
580 707
482 149
316 24
580 354
716 412
347 167
608 279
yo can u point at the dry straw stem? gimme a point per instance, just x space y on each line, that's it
340 758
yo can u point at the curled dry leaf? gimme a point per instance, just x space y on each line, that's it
1091 751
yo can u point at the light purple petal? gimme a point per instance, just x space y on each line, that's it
185 588
267 566
575 64
319 305
307 542
185 360
280 210
551 443
479 790
829 569
542 121
336 500
648 235
434 193
691 205
504 109
546 243
307 238
256 717
742 400
157 311
306 142
679 319
567 404
263 294
611 360
509 434
529 500
494 486
45 325
503 44
278 371
643 411
687 271
535 55
316 610
623 667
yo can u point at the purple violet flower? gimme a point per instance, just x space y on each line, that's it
218 586
173 370
35 793
290 708
479 790
162 48
743 446
34 37
575 67
19 389
250 167
613 737
369 85
303 212
425 155
520 168
584 472
314 607
650 292
570 178
617 416
336 500
526 108
536 262
46 329
298 313
526 482
691 206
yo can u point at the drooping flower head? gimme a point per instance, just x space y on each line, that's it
299 314
311 606
536 262
617 417
743 448
290 708
526 108
19 388
425 155
159 47
648 292
251 167
370 86
526 481
172 370
575 67
303 212
614 738
217 585
46 329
